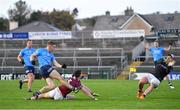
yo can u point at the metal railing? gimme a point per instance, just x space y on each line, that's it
76 54
106 72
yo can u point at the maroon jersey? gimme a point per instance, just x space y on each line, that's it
73 82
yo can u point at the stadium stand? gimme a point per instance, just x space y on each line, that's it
70 56
11 49
100 52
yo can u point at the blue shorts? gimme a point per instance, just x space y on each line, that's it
46 70
29 69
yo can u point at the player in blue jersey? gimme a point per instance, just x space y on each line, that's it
158 53
24 58
46 61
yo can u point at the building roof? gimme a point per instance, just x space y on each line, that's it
110 22
158 21
36 26
163 21
127 21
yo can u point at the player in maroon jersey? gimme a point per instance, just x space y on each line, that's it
62 92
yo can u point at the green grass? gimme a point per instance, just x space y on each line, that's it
114 94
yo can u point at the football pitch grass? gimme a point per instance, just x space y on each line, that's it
114 94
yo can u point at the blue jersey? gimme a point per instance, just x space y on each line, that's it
157 53
44 57
25 54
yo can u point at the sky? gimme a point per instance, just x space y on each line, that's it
89 8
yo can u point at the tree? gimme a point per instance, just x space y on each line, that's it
3 24
35 16
62 19
20 12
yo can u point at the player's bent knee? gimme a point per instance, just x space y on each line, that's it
31 75
50 83
155 83
55 94
51 86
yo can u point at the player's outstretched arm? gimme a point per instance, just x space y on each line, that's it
169 47
89 90
92 93
146 46
88 93
59 65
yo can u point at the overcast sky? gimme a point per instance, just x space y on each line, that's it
89 8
